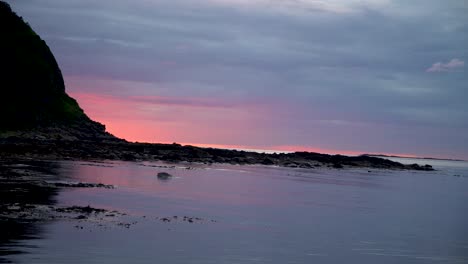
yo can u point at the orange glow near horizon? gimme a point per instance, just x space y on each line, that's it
133 120
166 119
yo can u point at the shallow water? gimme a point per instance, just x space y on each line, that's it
256 214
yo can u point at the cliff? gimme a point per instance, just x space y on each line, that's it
33 100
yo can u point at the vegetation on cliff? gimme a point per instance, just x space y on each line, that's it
32 89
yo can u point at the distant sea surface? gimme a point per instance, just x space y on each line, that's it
258 214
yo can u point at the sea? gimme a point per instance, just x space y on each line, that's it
253 214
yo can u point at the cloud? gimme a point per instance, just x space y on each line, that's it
452 65
104 41
295 6
318 68
192 102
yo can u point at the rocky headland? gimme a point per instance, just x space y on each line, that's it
39 120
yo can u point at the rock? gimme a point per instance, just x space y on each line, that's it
164 176
82 185
426 167
80 209
305 165
290 164
337 166
267 161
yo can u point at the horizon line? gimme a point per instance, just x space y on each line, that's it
293 149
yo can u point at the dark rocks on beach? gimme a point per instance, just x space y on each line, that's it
267 161
187 219
27 191
82 185
421 168
428 167
38 212
337 166
81 217
80 209
102 150
164 176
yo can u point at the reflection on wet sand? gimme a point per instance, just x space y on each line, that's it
20 186
28 191
224 213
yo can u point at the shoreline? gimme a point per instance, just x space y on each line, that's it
29 182
19 148
28 191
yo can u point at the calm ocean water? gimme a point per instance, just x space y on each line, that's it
256 214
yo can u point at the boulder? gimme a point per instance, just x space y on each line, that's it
164 176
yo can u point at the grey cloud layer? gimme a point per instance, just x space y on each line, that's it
357 63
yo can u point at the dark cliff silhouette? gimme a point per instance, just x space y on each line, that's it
39 120
32 89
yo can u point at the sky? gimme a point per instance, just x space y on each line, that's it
336 76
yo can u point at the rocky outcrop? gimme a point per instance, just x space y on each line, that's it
120 150
33 100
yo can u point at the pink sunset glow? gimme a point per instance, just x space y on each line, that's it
158 119
273 75
164 119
